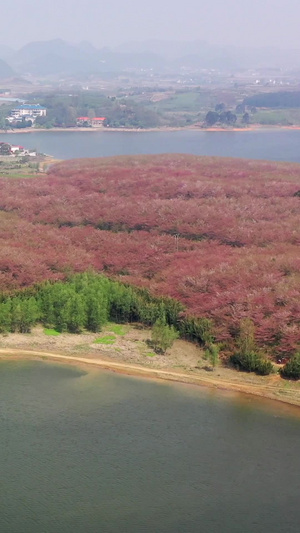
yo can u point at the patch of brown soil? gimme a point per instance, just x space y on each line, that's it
130 354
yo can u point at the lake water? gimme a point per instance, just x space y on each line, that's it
278 145
97 452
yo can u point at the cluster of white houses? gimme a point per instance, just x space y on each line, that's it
13 150
26 112
30 112
97 122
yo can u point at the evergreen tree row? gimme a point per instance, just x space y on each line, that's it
88 301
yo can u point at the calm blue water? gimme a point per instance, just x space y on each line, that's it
98 452
278 145
5 99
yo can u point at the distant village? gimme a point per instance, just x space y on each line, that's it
97 122
28 113
14 150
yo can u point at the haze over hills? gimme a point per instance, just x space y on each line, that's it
203 55
59 57
5 70
6 52
55 57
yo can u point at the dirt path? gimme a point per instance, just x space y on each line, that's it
211 380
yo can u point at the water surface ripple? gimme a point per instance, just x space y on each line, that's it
99 452
277 145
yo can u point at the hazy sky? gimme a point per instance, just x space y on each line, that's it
111 22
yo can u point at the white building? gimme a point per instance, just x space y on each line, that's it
96 122
29 110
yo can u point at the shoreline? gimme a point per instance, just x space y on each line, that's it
266 392
254 127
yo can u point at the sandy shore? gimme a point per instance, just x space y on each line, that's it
267 391
253 127
93 130
130 355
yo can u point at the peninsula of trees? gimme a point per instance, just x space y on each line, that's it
219 236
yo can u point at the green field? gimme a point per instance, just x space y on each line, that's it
273 117
117 329
189 101
18 167
51 332
106 339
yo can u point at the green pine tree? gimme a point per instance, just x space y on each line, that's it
163 335
75 314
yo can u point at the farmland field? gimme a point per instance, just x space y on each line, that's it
220 235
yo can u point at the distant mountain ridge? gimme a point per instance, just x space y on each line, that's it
57 57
